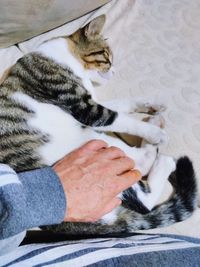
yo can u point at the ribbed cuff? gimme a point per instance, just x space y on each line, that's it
45 198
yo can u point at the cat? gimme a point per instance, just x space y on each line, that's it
48 108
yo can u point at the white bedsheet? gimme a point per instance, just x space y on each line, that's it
156 47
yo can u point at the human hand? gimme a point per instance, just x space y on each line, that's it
92 176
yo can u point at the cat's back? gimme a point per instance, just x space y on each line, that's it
33 131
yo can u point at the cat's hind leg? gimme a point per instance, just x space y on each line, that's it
157 178
159 173
144 159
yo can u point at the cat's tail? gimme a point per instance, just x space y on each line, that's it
178 208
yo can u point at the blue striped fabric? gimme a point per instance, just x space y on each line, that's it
20 203
137 250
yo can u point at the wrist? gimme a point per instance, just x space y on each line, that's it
45 198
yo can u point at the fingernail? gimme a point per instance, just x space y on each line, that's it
138 174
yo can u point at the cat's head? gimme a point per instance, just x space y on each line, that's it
92 50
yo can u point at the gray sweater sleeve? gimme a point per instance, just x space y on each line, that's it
27 200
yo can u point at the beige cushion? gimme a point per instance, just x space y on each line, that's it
8 57
66 29
21 20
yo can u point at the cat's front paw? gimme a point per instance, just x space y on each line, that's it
150 108
157 120
157 136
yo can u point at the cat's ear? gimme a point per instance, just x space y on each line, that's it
93 29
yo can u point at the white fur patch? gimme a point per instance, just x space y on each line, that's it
111 217
64 131
58 50
157 179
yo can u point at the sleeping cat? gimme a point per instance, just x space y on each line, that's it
48 108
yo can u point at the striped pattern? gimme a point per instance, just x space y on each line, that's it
7 176
93 251
99 58
8 181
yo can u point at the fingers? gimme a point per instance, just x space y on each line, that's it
95 145
110 153
90 147
132 176
126 180
100 151
121 165
86 149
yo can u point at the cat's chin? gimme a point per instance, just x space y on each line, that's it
100 78
106 75
99 82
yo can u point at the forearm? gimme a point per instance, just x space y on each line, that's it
27 200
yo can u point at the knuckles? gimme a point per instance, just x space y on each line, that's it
127 161
117 151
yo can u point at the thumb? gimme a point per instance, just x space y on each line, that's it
130 178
